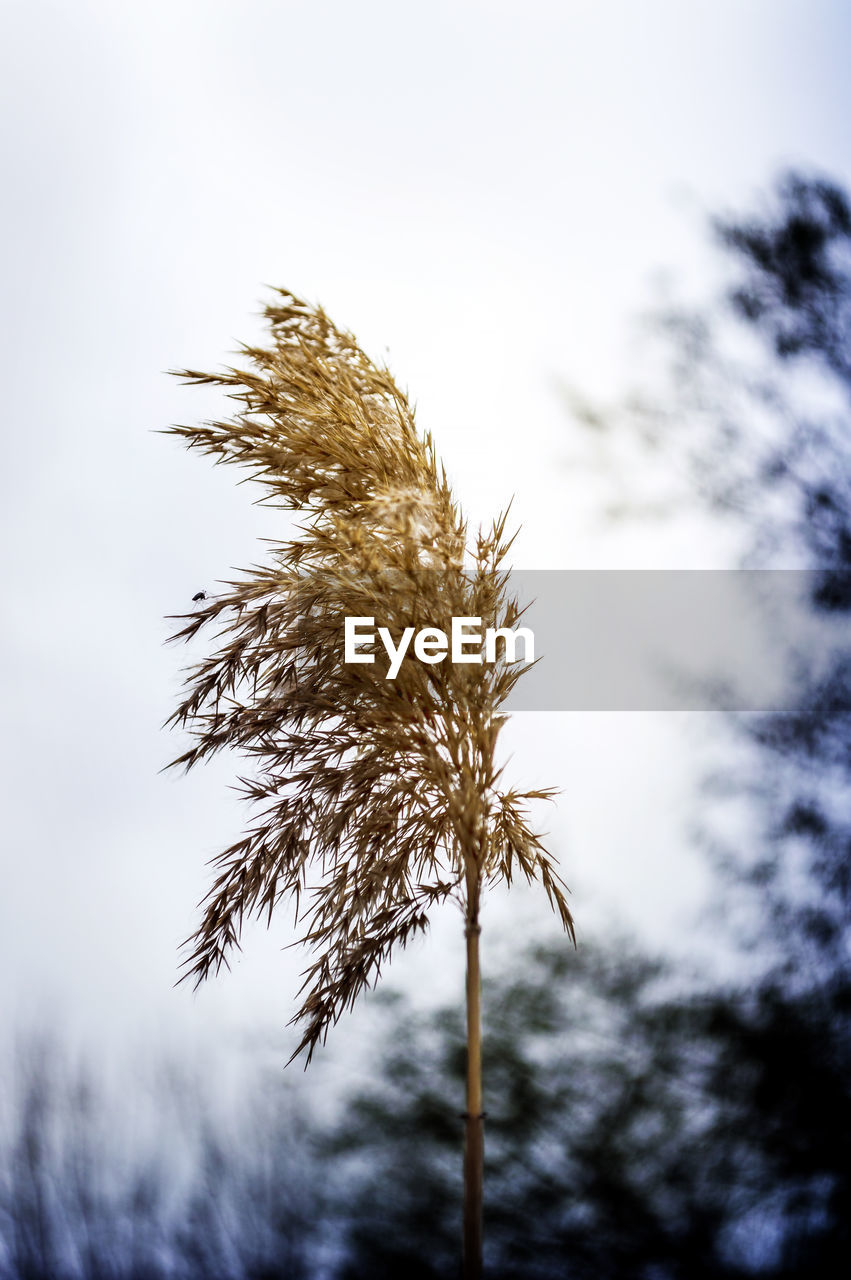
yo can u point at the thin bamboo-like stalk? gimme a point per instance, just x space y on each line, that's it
474 1143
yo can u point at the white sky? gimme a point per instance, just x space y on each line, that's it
482 192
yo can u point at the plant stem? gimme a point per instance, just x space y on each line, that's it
474 1137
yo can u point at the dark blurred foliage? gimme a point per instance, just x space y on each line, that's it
792 291
630 1133
642 1124
591 1122
794 264
151 1178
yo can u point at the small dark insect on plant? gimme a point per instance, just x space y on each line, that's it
199 595
375 798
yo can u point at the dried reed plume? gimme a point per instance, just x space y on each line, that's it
376 798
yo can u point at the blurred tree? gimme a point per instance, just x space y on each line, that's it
765 434
795 293
756 415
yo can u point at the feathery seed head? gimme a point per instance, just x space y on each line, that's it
376 798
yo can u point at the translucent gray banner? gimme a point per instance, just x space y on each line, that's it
690 640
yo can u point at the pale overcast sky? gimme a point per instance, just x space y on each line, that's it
484 193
